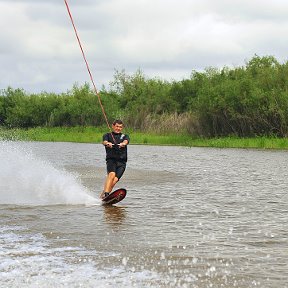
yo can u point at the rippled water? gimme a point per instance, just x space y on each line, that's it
193 217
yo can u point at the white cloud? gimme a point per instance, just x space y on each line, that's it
164 38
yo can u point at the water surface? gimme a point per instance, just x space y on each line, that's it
193 217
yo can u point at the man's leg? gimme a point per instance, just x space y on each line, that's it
115 180
109 183
111 173
113 177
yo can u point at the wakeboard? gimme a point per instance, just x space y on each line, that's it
115 197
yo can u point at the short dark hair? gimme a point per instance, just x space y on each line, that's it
117 121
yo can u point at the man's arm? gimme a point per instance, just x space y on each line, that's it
106 141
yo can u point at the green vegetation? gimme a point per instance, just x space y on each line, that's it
217 104
94 135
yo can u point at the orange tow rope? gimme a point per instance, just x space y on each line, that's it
87 65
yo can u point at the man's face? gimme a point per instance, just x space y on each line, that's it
117 128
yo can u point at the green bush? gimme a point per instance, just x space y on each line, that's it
251 100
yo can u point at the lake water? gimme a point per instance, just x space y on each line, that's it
193 217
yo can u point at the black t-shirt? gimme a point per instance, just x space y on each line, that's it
116 153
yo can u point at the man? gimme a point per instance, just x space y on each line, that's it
115 144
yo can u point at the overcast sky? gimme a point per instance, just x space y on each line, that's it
166 39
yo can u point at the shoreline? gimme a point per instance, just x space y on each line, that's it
94 135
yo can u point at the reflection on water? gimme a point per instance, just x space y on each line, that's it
192 217
114 215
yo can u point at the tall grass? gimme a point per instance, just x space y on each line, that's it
168 123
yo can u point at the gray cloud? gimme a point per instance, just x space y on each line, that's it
164 38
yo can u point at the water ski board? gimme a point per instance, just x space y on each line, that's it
114 197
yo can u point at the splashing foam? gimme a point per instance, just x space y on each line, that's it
24 179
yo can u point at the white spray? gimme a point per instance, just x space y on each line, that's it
26 180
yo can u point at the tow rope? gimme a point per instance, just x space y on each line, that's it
88 68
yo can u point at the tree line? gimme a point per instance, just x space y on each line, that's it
251 100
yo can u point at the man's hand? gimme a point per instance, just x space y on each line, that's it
123 144
108 144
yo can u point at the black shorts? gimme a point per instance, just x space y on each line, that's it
116 166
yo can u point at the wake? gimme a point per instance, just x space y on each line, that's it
26 180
